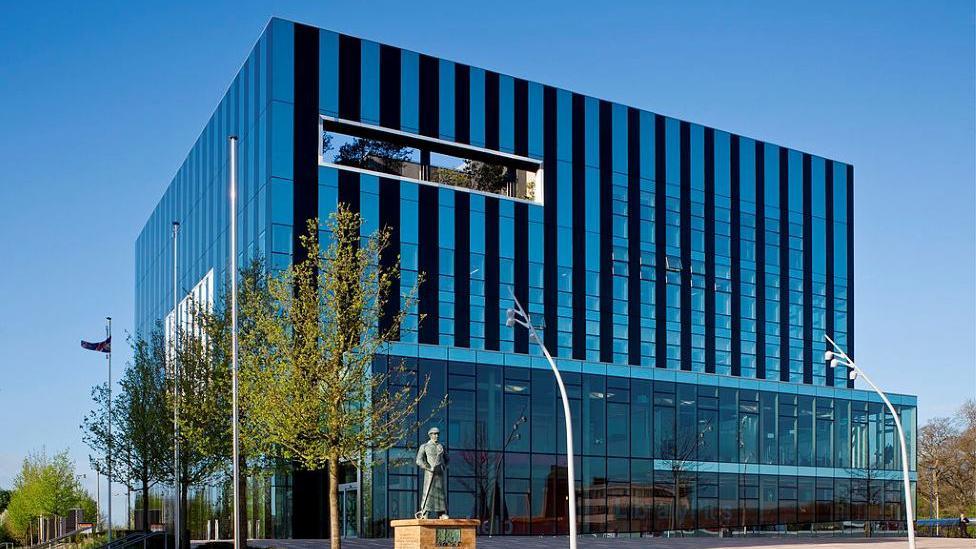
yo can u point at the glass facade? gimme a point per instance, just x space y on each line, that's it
767 456
683 277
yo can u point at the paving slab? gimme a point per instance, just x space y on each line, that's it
525 542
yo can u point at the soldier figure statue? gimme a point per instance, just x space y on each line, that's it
432 458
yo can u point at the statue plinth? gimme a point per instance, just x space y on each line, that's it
434 533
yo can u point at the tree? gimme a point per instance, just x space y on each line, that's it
488 177
935 455
141 429
373 154
204 392
312 392
947 462
44 486
204 388
481 176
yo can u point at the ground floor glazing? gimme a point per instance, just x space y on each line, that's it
656 451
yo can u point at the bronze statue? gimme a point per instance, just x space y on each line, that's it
432 458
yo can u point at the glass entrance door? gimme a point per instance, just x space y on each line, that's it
349 510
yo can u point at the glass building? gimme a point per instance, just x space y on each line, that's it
684 277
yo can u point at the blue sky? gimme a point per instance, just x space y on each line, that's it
99 103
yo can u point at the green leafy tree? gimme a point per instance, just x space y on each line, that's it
205 387
312 393
204 392
141 429
45 486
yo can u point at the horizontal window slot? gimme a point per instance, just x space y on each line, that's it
370 148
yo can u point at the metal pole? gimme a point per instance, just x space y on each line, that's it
909 513
108 331
98 503
570 467
128 493
232 153
177 526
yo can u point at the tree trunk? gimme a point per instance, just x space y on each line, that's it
241 530
935 487
334 526
674 508
145 504
185 532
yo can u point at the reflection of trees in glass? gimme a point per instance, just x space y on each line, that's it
394 159
326 142
481 176
372 154
486 177
679 457
486 467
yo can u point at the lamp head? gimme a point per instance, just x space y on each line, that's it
510 318
834 363
828 356
852 375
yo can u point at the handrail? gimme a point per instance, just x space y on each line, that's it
53 541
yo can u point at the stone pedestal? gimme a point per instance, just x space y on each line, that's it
434 533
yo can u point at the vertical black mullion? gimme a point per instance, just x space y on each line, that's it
521 117
709 250
428 256
491 110
307 518
350 87
660 235
462 269
784 264
736 255
850 265
462 103
348 194
492 281
491 274
633 237
390 83
521 247
579 227
428 249
521 232
829 253
549 271
390 188
685 242
760 260
306 129
807 271
606 231
429 94
350 77
390 219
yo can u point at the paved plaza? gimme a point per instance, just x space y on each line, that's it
634 543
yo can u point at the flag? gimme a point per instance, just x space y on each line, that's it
101 346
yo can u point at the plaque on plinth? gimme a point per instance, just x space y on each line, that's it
442 533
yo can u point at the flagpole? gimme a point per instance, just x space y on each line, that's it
108 331
176 394
232 154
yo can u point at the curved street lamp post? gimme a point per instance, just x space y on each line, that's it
837 358
519 316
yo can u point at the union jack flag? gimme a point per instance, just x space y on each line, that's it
101 346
